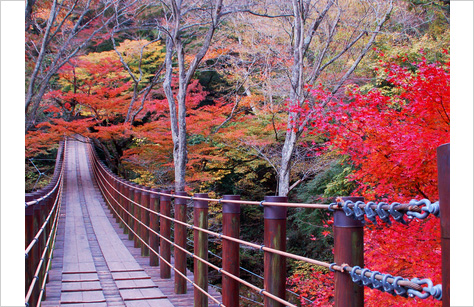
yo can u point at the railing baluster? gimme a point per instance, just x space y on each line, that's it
444 202
136 213
36 251
201 210
155 225
274 237
29 235
145 218
116 195
165 231
349 249
180 240
131 209
123 204
230 251
107 187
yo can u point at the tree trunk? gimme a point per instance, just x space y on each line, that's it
300 45
284 171
178 117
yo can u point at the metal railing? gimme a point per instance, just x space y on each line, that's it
42 209
145 215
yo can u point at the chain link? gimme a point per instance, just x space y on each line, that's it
359 211
434 291
429 208
394 287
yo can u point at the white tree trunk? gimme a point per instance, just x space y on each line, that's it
178 115
300 44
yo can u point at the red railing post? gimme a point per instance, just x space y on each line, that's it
230 251
36 251
44 214
155 225
444 202
274 237
165 231
145 218
123 203
115 202
107 187
49 227
349 249
29 235
201 210
131 210
136 213
180 240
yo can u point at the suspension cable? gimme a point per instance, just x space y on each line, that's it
241 296
259 290
414 285
370 210
51 237
36 201
43 227
45 279
149 247
256 246
250 272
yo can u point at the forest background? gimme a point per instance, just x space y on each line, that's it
265 154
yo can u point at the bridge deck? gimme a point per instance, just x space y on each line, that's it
94 264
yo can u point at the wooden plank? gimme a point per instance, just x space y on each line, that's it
141 294
135 283
81 286
82 297
75 280
150 303
78 277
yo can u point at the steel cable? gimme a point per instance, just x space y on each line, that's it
414 286
149 247
35 201
45 279
51 237
241 296
412 209
250 272
40 231
256 246
259 290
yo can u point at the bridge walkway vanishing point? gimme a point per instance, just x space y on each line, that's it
94 263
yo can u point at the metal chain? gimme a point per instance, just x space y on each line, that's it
394 287
429 208
434 291
360 210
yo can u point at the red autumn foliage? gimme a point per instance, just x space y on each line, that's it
391 138
321 293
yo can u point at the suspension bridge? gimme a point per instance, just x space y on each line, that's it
94 239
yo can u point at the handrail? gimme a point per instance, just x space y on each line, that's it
59 157
146 244
111 186
41 219
51 237
327 265
43 227
187 252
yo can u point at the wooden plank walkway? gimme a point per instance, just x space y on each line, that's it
94 263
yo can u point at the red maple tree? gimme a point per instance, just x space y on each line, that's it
391 136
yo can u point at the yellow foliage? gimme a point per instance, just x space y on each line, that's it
146 178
